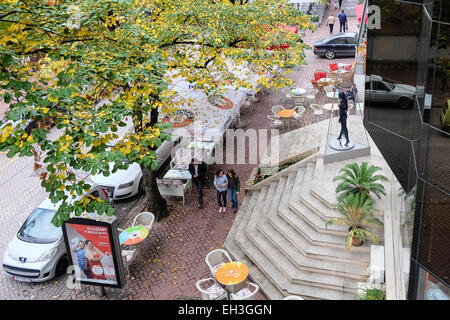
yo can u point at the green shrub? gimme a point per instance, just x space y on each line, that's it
372 294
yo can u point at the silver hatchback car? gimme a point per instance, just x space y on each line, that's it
37 252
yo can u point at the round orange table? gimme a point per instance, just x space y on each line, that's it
287 113
232 275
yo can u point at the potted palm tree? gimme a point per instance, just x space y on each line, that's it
358 212
360 179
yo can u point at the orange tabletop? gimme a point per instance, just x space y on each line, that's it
232 273
286 113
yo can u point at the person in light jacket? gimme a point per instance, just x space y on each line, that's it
330 21
221 184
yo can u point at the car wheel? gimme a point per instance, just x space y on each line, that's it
329 54
141 189
404 103
61 266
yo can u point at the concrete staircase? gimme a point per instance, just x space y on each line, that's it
280 233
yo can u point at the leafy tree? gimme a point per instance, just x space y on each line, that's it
92 66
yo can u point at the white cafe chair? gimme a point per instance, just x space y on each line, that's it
211 290
245 293
145 219
215 259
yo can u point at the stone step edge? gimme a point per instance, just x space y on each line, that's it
293 277
359 272
282 283
302 163
309 251
318 242
333 229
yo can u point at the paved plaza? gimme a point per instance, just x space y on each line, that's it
173 258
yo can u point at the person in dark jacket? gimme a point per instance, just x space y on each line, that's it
342 21
343 107
234 187
198 171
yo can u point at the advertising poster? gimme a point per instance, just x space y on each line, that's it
92 251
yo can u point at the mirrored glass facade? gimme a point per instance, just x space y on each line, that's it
407 114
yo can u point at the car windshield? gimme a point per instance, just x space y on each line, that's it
38 228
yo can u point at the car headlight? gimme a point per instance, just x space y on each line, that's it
126 185
47 255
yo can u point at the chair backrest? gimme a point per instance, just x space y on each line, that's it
204 286
216 256
329 88
313 92
277 108
252 287
272 117
315 106
293 298
299 110
144 218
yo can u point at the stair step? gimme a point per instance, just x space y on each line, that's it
278 225
336 271
311 202
295 266
284 285
314 237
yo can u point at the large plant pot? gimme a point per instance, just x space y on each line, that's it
356 241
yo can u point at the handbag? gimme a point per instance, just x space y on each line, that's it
346 27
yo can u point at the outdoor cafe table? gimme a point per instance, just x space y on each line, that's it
333 95
232 275
287 116
331 106
133 236
297 91
178 174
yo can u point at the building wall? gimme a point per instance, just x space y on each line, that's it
412 141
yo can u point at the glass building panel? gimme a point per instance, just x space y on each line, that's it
437 166
435 233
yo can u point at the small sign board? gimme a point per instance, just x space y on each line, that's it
94 251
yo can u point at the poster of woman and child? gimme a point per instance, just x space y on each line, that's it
90 249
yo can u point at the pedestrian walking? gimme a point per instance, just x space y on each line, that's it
330 21
343 107
221 184
234 186
197 171
342 21
340 4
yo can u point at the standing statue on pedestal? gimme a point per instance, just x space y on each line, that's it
343 107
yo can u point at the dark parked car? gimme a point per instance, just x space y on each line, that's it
340 45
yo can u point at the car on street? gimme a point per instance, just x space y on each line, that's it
129 182
339 45
37 252
378 91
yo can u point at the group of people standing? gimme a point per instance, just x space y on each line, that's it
228 183
343 23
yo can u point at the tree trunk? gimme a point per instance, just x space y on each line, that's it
156 203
